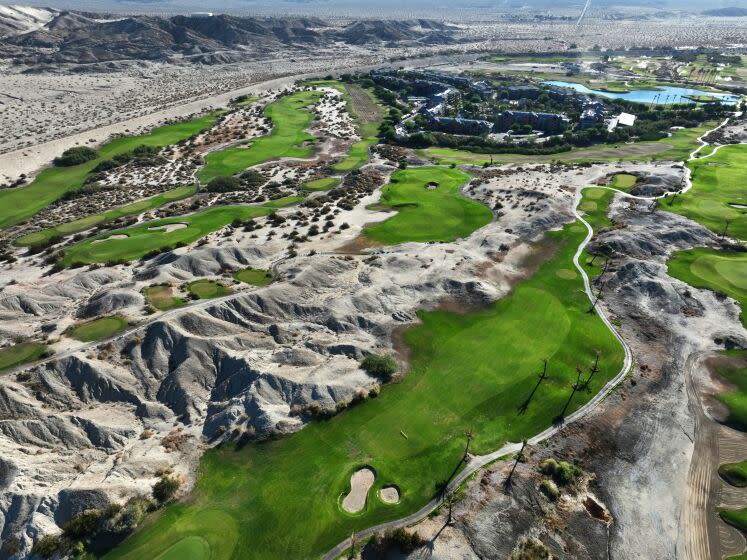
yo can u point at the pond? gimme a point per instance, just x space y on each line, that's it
660 95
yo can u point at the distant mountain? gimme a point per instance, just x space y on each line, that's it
84 38
727 12
21 19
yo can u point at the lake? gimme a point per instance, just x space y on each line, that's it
660 95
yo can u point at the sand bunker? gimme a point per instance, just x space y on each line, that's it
389 495
118 236
168 228
738 205
360 483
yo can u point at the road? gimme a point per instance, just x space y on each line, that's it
479 461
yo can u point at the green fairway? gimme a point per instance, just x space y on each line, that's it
624 182
162 297
132 243
737 518
98 329
290 118
430 207
21 203
721 271
207 289
253 276
718 191
676 148
88 222
323 184
467 372
20 354
359 151
734 473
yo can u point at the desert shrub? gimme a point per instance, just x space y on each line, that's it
531 549
165 489
83 525
400 539
383 367
549 489
563 473
75 156
126 518
223 184
47 546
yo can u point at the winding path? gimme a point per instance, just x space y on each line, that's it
477 462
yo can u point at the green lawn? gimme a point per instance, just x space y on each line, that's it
98 329
737 518
675 148
21 203
146 237
88 222
290 119
253 276
207 289
624 182
323 184
734 473
425 213
20 354
280 498
718 182
162 297
721 271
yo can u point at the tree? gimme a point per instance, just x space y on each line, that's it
223 184
75 156
525 405
519 457
383 367
166 488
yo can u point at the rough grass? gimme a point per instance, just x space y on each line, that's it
143 238
162 297
207 289
735 400
21 203
468 371
323 184
253 276
724 272
718 182
676 148
427 214
290 118
98 329
92 220
20 354
734 473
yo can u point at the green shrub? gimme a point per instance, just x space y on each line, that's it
563 473
531 549
549 489
47 546
400 539
383 367
83 525
165 489
75 156
223 184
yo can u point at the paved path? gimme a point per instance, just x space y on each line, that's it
479 461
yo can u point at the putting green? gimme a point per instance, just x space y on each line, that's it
721 271
162 297
189 548
253 276
624 181
98 329
20 354
468 371
430 207
207 289
92 220
21 203
718 182
290 118
132 243
323 184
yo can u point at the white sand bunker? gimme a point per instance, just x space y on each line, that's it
118 236
360 483
389 495
168 228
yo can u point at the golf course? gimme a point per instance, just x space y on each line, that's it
718 197
290 118
20 203
92 220
98 329
20 353
132 243
254 276
430 207
475 372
